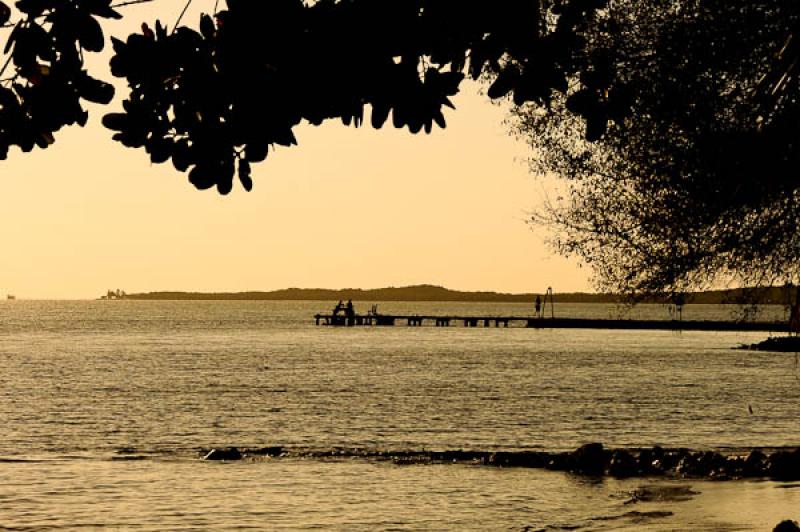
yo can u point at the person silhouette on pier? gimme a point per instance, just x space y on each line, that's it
537 305
338 308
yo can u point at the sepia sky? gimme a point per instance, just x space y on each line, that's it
346 208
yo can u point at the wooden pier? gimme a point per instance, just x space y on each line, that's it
415 320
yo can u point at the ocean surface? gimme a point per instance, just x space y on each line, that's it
105 407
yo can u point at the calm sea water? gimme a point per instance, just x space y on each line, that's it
85 384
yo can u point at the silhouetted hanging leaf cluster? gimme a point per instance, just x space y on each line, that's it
214 100
48 82
695 177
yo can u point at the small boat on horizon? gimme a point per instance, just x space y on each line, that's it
11 297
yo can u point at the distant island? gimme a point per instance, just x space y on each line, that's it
426 292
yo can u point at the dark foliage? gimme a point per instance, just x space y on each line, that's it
215 100
46 47
692 177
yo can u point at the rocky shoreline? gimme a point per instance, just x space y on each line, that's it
592 459
780 344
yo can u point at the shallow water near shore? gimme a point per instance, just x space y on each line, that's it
298 494
87 386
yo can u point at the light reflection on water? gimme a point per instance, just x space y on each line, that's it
86 379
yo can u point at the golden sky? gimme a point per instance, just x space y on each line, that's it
346 208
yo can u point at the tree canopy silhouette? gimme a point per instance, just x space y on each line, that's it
49 81
674 120
214 99
697 181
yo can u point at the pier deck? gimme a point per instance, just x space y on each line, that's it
415 320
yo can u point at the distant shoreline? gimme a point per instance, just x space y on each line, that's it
431 293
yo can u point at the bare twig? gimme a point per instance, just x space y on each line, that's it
177 22
113 6
5 65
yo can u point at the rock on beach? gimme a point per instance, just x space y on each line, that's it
228 453
786 526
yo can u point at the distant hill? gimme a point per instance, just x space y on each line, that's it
404 293
770 295
425 292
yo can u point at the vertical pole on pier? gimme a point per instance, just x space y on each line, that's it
549 296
